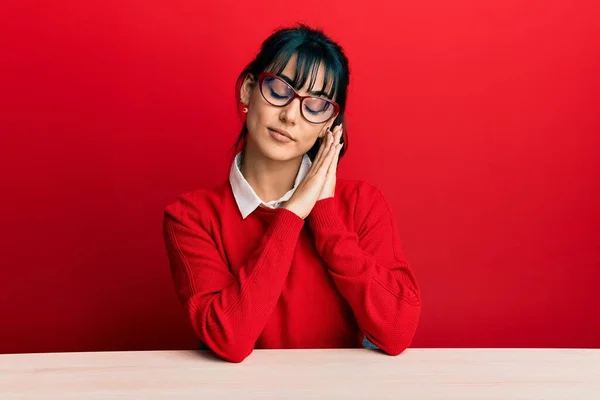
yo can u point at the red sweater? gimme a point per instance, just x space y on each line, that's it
274 280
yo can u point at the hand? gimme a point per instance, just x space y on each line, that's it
329 186
308 191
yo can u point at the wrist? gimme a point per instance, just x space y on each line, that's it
290 207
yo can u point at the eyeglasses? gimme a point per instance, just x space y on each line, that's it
279 93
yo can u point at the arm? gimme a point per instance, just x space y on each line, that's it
228 313
370 270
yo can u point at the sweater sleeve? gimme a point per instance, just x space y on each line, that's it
227 313
370 271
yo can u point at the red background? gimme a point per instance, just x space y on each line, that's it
480 121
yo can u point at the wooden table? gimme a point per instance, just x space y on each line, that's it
298 374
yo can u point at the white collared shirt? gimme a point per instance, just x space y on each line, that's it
247 199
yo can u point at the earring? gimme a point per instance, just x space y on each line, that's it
245 110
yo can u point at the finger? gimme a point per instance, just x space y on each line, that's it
322 149
338 134
324 167
326 147
330 177
322 146
334 163
336 144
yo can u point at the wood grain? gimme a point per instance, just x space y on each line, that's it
299 374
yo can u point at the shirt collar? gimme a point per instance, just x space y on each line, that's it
246 198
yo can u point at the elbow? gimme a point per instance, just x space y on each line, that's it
403 339
396 346
233 354
397 338
395 349
221 338
228 346
391 346
227 351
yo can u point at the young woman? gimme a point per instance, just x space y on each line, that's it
283 254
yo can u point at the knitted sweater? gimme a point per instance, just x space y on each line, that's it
274 280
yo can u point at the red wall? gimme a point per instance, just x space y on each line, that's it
480 121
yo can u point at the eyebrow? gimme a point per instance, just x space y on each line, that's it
312 92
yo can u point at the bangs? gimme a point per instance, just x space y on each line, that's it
309 58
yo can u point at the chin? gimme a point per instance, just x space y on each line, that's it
276 152
273 150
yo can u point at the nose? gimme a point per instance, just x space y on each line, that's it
291 112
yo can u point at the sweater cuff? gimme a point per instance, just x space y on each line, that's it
324 216
287 223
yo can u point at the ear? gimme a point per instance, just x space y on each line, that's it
324 131
246 89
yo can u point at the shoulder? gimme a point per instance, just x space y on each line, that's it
358 191
361 200
197 206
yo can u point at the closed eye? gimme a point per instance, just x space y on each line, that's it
277 95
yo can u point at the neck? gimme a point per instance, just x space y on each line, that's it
270 179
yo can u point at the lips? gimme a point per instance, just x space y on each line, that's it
282 132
